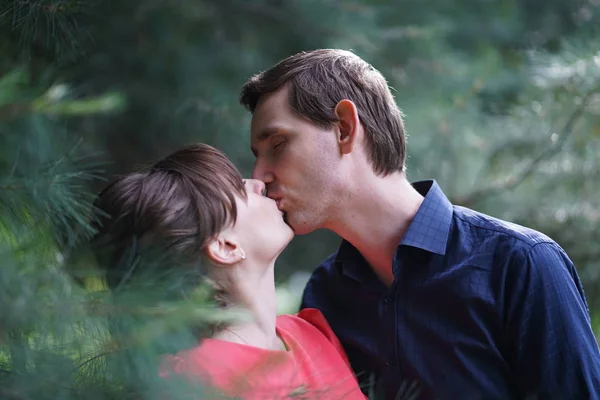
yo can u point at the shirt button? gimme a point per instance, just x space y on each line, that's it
387 300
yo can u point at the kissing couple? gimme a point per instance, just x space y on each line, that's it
456 302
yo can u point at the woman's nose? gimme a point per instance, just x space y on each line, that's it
255 185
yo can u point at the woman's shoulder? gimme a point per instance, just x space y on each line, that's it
307 318
305 321
310 326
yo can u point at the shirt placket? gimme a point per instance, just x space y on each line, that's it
388 342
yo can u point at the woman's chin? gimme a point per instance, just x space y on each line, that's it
280 241
287 233
285 236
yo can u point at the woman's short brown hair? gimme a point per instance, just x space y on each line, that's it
171 208
319 80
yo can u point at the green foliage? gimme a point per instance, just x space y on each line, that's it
503 108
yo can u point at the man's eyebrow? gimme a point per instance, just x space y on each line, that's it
264 135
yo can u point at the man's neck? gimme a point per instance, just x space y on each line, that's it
376 217
254 293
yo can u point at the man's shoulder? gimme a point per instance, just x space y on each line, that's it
328 262
487 227
326 268
321 277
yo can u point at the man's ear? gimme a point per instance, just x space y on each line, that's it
223 251
348 124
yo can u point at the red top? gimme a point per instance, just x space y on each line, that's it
315 365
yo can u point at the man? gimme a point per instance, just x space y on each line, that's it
420 291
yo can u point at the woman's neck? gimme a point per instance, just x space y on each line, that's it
255 293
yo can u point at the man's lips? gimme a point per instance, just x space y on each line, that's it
277 201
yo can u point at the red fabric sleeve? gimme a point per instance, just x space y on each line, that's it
317 319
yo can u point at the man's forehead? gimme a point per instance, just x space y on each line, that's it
268 107
268 117
271 116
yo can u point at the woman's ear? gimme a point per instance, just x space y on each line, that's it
223 251
348 124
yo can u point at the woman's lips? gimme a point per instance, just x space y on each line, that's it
281 210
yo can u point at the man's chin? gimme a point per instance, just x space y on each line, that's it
287 222
297 228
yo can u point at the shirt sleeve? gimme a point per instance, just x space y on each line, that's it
552 347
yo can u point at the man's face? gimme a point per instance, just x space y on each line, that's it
297 161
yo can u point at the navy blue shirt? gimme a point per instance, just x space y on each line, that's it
479 308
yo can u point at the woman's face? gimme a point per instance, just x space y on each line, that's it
260 227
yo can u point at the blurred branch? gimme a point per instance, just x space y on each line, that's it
50 104
107 102
514 181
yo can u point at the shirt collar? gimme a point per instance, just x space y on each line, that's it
429 230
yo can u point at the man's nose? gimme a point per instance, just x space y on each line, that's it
255 186
260 172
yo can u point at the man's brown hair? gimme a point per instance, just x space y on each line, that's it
318 80
170 209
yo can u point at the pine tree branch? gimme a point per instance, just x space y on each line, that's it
60 6
116 349
516 180
25 187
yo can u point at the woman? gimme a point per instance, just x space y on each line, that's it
194 205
